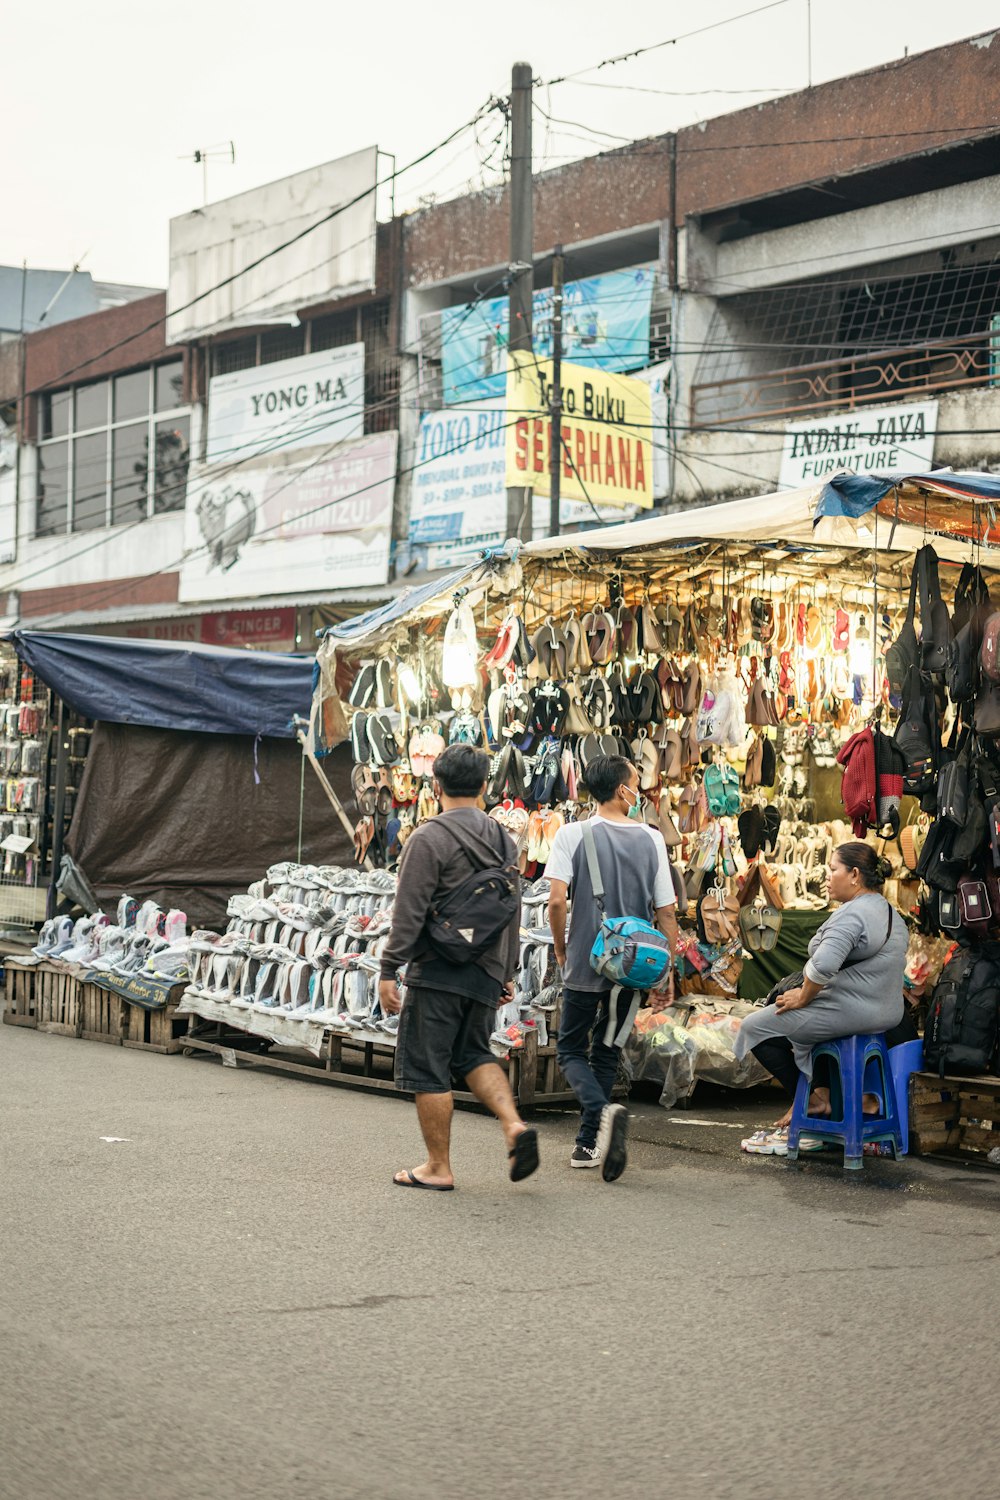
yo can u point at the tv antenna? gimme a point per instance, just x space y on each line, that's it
221 151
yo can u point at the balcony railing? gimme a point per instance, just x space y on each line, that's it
938 365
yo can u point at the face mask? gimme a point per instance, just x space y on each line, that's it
635 808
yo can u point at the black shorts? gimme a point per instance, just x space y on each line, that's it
440 1035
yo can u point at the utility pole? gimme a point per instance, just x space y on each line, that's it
522 227
555 401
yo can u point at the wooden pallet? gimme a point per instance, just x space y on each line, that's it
19 1009
57 999
534 1074
154 1030
954 1117
102 1015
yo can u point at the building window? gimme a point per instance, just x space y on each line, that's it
849 338
368 323
113 452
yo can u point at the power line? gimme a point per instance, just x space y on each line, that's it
261 259
610 62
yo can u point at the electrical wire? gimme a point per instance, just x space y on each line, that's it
684 36
261 259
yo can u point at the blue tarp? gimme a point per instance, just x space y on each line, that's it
358 626
208 689
854 495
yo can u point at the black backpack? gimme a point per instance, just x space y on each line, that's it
938 865
971 609
915 738
904 653
960 1035
469 920
935 625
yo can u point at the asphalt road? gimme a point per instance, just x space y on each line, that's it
234 1301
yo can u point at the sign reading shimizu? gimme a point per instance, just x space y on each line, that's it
293 403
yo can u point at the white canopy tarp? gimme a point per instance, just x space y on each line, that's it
785 517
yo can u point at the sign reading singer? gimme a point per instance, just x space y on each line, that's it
607 425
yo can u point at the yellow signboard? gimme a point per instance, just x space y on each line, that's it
607 449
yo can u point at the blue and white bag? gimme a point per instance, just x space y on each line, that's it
629 951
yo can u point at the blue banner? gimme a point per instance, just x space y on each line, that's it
605 325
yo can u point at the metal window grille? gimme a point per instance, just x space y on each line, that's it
282 343
848 339
239 354
334 330
381 370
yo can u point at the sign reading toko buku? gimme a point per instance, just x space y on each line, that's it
606 430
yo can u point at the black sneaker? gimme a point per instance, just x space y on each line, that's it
585 1156
612 1137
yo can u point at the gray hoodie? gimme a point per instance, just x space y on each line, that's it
435 862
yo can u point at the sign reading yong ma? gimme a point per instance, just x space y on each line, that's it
293 403
876 440
607 453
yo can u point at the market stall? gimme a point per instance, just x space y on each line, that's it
747 657
194 776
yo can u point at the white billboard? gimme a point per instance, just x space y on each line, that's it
873 440
292 523
214 250
293 403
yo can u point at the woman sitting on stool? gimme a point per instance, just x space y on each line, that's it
852 985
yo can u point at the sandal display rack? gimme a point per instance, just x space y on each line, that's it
292 985
43 750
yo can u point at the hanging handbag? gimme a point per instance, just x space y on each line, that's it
904 653
935 625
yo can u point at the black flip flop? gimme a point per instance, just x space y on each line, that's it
429 1187
524 1156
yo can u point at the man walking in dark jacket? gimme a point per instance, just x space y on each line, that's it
448 1010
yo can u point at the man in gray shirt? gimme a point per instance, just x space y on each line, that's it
635 873
449 1008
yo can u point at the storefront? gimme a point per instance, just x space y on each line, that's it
734 653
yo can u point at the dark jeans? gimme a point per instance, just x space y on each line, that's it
590 1067
775 1053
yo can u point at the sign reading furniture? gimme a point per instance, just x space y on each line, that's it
293 403
875 440
606 429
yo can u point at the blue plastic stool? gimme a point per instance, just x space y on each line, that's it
856 1058
905 1059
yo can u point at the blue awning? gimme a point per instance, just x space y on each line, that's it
854 495
163 685
359 626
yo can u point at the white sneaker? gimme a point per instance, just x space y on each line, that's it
585 1156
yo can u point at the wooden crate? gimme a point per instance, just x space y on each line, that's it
153 1030
19 1009
955 1117
57 999
102 1015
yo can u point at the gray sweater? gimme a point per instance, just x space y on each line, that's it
865 997
435 862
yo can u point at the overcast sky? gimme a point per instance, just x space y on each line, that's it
104 101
